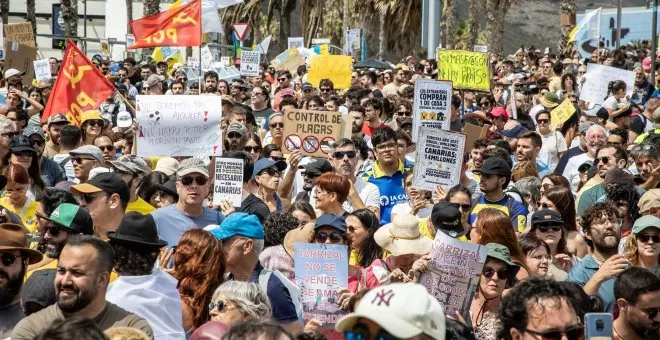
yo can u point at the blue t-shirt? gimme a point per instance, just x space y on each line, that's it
172 222
284 311
585 270
512 208
51 172
390 187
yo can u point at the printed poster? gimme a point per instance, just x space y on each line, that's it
455 270
250 63
311 132
465 69
228 184
321 272
439 158
431 105
179 125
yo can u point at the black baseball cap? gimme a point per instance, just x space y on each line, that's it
546 216
494 166
446 217
317 166
108 182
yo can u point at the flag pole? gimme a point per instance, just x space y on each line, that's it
199 53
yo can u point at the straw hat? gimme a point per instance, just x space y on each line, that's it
402 236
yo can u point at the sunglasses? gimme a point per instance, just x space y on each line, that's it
23 153
252 148
234 135
464 207
95 122
324 90
87 198
309 174
572 333
490 272
54 231
341 154
603 159
107 147
38 142
322 237
546 228
79 160
543 121
652 313
281 79
199 180
277 125
10 134
277 159
8 259
271 172
219 306
361 332
404 113
646 237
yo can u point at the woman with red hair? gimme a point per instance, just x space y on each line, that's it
330 193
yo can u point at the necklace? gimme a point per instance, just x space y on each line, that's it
617 333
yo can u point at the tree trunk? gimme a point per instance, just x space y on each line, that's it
151 7
450 41
4 8
382 39
31 16
74 17
129 15
67 17
495 14
567 8
473 23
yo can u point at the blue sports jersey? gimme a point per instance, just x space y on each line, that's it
512 208
391 187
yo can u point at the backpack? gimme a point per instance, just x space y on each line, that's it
63 162
294 291
512 189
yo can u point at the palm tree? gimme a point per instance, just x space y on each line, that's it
250 9
311 18
403 19
495 13
284 8
4 8
31 16
473 22
448 24
70 16
567 8
151 7
129 14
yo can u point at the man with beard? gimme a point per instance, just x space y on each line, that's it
55 124
597 271
607 158
83 273
528 148
311 172
647 161
51 172
637 293
357 115
15 256
235 139
595 137
373 108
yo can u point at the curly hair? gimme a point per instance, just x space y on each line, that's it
276 226
133 260
199 265
630 249
630 195
595 212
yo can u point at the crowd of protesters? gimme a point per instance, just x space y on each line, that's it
98 243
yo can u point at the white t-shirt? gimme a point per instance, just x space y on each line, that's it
68 166
553 143
611 103
571 171
405 208
368 192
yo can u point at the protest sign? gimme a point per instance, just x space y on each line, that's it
207 58
455 270
351 40
41 70
179 125
225 61
480 48
321 272
594 90
561 113
311 132
320 41
473 132
250 63
21 57
288 60
439 158
337 68
466 70
295 42
228 184
130 40
192 62
431 105
20 33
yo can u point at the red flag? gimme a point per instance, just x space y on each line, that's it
179 26
79 87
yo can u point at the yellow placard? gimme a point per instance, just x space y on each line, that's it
323 48
337 68
561 113
466 70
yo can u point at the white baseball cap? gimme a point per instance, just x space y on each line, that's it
167 165
13 72
390 307
124 119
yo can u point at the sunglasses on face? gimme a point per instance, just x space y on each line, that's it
252 148
325 90
603 159
341 154
277 159
10 134
107 147
79 160
543 121
38 142
502 274
277 125
88 198
404 113
272 172
53 230
95 122
546 228
8 259
361 332
572 333
309 174
234 135
464 207
322 237
199 180
644 238
281 79
23 153
652 312
219 306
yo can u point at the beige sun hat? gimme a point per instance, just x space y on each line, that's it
402 236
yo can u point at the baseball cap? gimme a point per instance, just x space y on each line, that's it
131 164
21 143
389 306
494 166
39 289
514 132
72 218
167 165
124 119
648 221
546 216
329 220
306 87
237 127
584 126
57 118
89 150
109 182
34 130
446 217
317 166
499 111
152 81
650 199
239 223
192 165
265 163
13 72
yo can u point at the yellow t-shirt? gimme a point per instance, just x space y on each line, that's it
140 206
29 217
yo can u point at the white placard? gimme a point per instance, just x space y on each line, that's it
352 39
594 90
179 125
295 42
130 40
439 158
228 184
250 63
431 105
225 61
41 70
192 62
320 41
207 59
480 48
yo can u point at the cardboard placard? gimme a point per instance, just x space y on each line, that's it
311 132
228 184
431 105
21 57
594 90
20 33
288 60
439 158
250 63
337 68
466 70
473 132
